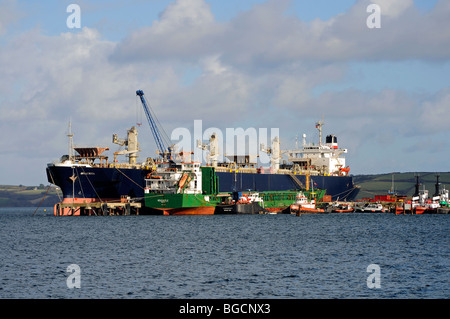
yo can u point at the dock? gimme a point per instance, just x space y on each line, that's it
123 207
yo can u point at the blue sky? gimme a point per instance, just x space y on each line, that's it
117 18
240 63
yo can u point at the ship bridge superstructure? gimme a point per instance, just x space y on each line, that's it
322 158
175 178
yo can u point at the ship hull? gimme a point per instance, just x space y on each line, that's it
188 211
240 209
180 204
100 183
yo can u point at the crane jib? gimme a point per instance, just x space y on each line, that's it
157 135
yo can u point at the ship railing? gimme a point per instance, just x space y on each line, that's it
124 165
223 169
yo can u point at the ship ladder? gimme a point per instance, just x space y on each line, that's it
296 180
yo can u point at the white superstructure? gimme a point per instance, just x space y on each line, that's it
324 158
175 178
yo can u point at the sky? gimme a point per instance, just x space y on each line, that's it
262 64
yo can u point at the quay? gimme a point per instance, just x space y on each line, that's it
101 208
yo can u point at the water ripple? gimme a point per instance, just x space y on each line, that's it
224 256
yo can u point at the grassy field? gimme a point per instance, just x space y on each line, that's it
27 196
404 183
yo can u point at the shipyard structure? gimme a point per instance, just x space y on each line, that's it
173 184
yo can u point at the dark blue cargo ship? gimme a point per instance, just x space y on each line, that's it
111 183
83 180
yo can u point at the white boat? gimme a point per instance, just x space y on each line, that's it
371 208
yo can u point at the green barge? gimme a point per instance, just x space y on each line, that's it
191 189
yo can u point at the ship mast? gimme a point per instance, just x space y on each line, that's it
70 135
319 125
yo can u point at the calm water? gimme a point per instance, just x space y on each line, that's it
253 256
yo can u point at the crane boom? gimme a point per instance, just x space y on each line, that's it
161 139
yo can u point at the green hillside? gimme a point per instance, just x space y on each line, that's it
404 183
370 185
27 196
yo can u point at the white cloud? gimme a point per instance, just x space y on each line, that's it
184 14
212 64
393 8
435 114
266 36
185 30
9 14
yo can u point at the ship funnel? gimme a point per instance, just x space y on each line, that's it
437 187
331 141
417 187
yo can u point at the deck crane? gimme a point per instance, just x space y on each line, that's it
163 142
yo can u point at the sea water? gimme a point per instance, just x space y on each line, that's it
341 256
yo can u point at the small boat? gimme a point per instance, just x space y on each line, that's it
340 207
303 205
399 210
370 208
419 210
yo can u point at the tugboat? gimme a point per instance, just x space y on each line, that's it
281 202
237 203
440 197
421 204
303 205
419 201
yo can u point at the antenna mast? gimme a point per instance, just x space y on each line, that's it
70 135
319 125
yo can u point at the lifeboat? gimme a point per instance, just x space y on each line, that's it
344 171
183 180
